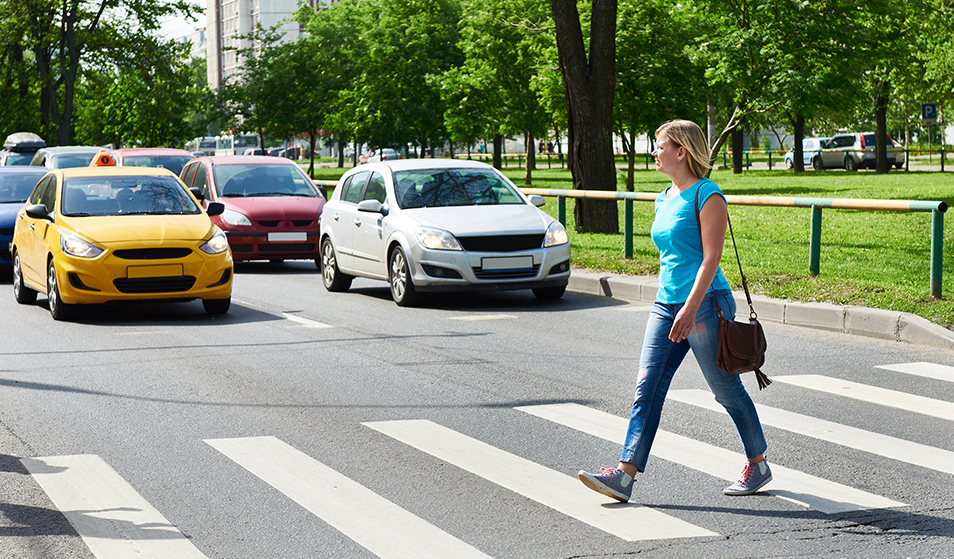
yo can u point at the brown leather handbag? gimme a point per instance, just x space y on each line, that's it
741 344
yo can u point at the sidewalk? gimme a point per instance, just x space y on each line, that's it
861 321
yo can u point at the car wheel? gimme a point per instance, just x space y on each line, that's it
789 163
817 164
898 165
216 306
24 295
399 275
850 164
331 276
58 309
549 293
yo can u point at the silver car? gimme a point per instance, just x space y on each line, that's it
440 225
856 151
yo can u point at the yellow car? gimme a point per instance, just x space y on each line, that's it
102 234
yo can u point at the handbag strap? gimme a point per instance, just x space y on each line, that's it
745 285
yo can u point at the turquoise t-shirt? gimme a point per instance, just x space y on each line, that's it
675 232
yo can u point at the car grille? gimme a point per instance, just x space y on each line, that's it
296 223
152 253
506 274
287 247
502 243
7 232
240 248
174 284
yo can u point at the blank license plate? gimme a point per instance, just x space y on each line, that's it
162 271
287 237
507 263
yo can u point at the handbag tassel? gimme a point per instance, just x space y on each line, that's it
762 378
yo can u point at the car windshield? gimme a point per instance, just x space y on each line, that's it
126 195
70 160
421 188
19 158
174 163
17 188
250 180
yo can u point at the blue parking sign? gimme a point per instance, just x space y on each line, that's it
929 114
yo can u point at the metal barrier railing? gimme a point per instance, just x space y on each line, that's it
816 205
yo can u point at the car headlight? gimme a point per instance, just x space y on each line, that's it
437 239
233 217
217 244
74 246
556 235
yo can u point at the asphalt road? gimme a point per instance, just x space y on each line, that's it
310 424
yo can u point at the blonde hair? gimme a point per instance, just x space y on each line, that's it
687 134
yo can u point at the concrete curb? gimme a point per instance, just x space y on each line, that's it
860 321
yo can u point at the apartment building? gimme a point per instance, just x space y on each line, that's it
229 21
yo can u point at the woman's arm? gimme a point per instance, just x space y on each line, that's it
713 217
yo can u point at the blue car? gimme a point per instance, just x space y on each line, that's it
810 147
16 184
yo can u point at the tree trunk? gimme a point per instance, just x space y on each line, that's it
340 154
737 156
798 154
588 86
498 148
881 128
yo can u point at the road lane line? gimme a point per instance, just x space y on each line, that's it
634 308
921 369
111 517
305 321
372 521
851 437
798 487
484 317
872 394
563 493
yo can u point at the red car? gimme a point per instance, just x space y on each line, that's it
167 158
271 206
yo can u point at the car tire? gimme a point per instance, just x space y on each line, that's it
898 165
399 277
549 293
817 164
850 164
58 309
216 307
789 164
23 294
331 276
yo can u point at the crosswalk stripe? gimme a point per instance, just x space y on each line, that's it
872 394
484 317
844 435
114 520
798 487
921 369
563 493
372 521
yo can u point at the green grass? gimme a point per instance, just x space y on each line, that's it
874 259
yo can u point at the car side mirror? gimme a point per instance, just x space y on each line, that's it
373 206
215 208
39 211
537 201
197 193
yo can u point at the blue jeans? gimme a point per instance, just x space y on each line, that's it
658 362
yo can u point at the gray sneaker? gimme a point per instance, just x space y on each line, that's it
754 477
610 482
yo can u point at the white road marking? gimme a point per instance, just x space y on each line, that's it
484 317
928 370
851 437
111 517
304 321
798 487
558 491
634 308
873 395
372 521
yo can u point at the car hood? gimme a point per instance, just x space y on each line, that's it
141 228
483 220
276 207
8 214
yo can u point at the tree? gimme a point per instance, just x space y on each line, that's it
588 81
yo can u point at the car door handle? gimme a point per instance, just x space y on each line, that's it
357 223
336 217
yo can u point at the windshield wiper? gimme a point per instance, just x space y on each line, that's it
233 195
273 194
